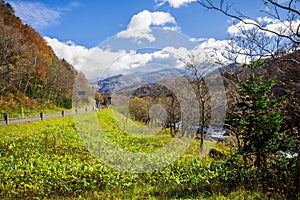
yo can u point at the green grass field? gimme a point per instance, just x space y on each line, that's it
51 160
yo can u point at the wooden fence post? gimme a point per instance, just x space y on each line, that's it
6 118
42 115
63 113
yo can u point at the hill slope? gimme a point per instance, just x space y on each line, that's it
31 74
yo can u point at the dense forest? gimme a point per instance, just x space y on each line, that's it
31 75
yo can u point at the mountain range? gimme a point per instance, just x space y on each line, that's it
137 78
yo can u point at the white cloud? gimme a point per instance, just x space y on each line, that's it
199 40
172 28
214 44
138 34
174 3
98 63
146 18
74 54
202 55
266 20
286 27
283 27
236 29
39 15
139 26
128 62
93 62
102 63
36 14
222 50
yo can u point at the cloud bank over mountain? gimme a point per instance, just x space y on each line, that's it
97 62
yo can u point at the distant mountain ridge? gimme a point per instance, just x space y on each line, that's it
119 82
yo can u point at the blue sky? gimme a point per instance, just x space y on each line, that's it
84 32
88 22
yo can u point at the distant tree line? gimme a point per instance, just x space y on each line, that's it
167 115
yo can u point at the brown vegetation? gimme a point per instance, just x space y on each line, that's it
31 75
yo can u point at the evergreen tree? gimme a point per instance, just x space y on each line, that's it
257 122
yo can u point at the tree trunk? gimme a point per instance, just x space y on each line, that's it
202 138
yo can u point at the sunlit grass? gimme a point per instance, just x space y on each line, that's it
49 159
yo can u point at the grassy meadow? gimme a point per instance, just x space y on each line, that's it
49 160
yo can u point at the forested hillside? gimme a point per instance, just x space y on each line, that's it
31 75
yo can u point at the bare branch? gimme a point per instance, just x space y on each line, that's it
289 8
209 5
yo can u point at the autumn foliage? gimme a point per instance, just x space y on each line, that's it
30 73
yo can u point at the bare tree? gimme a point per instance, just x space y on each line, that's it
200 68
